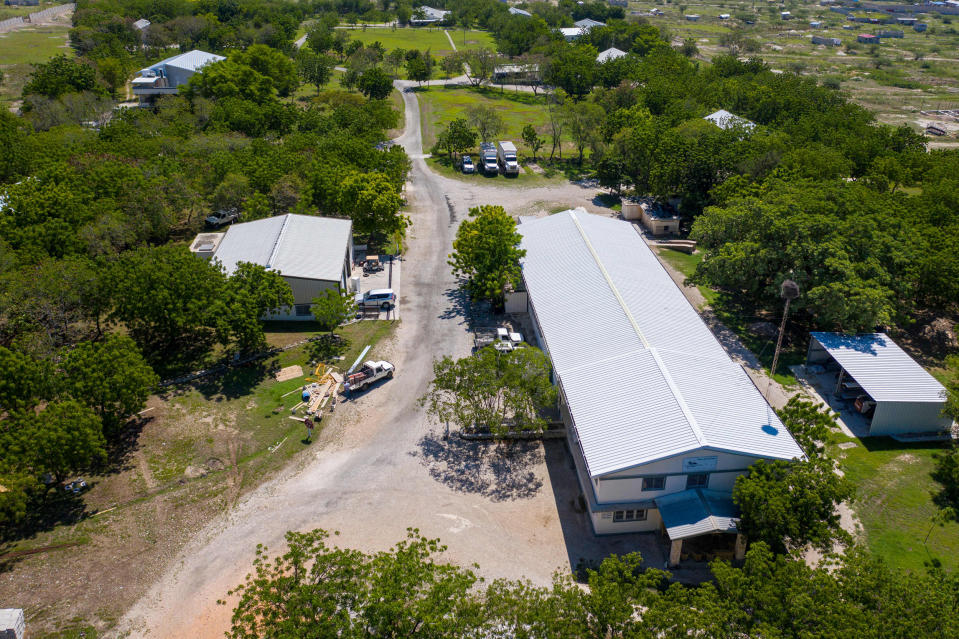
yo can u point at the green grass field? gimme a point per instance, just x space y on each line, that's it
894 501
25 46
422 38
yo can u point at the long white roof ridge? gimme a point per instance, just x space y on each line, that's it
678 395
609 280
279 241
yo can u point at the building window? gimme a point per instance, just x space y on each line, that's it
302 310
629 515
666 228
654 483
697 480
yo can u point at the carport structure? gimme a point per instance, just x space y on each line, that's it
695 513
907 398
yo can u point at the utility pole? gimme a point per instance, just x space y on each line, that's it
789 291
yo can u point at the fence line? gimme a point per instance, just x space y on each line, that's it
52 11
10 24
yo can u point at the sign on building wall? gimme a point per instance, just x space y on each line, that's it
700 464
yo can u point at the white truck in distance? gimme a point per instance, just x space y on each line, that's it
368 373
488 158
506 156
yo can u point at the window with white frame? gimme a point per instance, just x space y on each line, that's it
629 515
697 480
654 483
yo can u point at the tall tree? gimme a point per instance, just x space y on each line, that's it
110 376
459 137
252 292
573 69
332 307
372 202
314 68
62 439
60 75
375 84
532 139
488 122
584 122
486 252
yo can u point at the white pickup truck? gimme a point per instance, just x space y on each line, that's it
368 373
502 339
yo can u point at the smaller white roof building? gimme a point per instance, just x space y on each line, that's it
571 33
300 246
430 15
726 120
519 12
908 399
610 54
588 23
141 24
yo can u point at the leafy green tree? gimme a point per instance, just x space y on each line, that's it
584 122
110 376
452 65
230 79
114 74
788 505
486 252
372 202
272 64
573 69
165 295
62 439
808 424
60 75
479 65
231 193
375 84
327 591
332 307
498 391
532 139
419 65
487 121
252 292
22 381
946 473
459 137
314 68
19 490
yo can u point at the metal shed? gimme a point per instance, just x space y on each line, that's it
907 398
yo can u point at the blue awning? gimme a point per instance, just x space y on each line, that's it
697 512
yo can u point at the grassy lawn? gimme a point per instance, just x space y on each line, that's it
686 264
422 38
21 48
894 502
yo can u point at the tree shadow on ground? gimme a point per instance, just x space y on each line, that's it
235 382
57 508
497 471
326 347
122 444
459 305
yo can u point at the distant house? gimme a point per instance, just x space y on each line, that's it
724 16
867 38
571 33
785 15
515 73
815 24
427 15
141 24
167 76
907 21
519 12
610 54
726 120
692 17
587 23
829 42
311 253
920 27
933 129
848 27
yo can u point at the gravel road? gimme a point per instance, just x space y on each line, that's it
381 467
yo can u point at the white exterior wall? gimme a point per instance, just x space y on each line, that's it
603 523
627 485
893 418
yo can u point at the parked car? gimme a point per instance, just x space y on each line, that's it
382 298
220 218
467 165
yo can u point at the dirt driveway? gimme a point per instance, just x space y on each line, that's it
385 468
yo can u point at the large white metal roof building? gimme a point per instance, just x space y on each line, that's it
643 376
908 399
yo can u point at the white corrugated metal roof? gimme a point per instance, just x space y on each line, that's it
191 60
295 245
519 12
882 368
726 120
695 512
588 23
610 54
644 377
